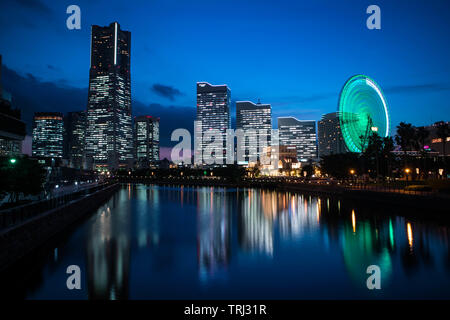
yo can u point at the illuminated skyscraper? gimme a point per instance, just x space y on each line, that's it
213 113
146 140
109 138
256 121
330 136
75 133
299 134
48 135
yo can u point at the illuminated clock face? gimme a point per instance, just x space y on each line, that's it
362 110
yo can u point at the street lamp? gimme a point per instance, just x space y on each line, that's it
407 170
12 160
352 174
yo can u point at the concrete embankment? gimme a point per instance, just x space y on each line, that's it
28 230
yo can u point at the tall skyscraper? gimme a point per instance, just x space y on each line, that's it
109 138
213 113
256 122
300 134
146 140
75 134
48 130
330 136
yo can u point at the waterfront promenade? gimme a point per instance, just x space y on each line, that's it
25 228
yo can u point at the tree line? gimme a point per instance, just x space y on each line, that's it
378 161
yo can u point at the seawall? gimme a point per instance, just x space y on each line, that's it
20 238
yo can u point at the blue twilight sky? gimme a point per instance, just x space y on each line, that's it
295 55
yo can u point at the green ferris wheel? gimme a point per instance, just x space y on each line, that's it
362 110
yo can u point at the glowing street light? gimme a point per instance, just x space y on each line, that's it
352 171
12 160
407 170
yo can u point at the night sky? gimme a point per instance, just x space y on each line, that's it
295 55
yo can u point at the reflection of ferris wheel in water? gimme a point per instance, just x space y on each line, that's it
362 110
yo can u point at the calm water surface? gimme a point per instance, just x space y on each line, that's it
156 242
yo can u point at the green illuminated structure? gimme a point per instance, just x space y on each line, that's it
362 110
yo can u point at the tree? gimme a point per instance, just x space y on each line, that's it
405 136
421 136
373 153
378 157
420 140
309 169
388 156
23 177
339 165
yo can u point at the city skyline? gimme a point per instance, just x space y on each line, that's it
207 150
408 85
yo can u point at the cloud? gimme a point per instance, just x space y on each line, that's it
35 5
300 100
166 91
30 14
30 94
52 67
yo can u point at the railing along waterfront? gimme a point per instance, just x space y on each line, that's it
16 215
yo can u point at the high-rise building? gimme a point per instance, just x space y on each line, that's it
12 128
48 130
109 138
256 122
299 134
75 133
146 140
213 113
434 142
330 136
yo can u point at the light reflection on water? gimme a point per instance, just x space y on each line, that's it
186 242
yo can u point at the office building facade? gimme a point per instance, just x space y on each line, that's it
75 138
213 115
330 136
299 134
146 141
109 137
435 142
256 122
48 130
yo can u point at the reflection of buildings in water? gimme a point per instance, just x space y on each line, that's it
364 244
108 250
421 243
299 214
258 210
213 231
147 222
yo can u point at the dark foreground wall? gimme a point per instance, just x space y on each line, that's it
21 239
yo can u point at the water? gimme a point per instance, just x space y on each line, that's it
156 242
